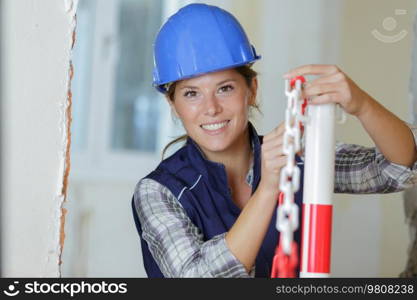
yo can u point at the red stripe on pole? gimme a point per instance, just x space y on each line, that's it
319 240
302 239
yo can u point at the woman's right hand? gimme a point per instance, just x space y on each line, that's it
273 159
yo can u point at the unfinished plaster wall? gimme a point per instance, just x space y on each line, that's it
37 42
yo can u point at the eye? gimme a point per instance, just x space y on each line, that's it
190 94
226 88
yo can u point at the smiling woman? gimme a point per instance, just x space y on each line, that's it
208 210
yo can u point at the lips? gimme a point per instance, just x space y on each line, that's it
215 126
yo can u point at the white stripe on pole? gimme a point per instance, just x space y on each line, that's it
313 275
318 186
320 154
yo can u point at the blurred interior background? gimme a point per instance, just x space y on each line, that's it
120 123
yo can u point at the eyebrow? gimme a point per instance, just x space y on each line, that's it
196 87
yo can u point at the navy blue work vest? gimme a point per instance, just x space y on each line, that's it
202 188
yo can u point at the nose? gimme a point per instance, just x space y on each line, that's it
213 107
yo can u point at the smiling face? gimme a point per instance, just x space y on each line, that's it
214 109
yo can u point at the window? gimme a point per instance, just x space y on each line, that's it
82 57
120 122
135 114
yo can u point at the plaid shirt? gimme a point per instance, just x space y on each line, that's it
175 241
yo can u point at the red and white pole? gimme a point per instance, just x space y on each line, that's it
318 191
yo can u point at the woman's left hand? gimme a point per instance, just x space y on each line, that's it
332 86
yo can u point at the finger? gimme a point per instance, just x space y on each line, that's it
320 89
326 98
332 78
277 131
280 129
273 140
279 164
273 144
273 152
311 70
276 162
277 134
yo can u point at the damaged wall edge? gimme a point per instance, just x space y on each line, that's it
68 114
70 7
37 41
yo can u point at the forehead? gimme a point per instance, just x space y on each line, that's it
211 78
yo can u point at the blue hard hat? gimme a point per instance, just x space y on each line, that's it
198 39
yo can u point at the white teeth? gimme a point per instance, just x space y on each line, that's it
215 126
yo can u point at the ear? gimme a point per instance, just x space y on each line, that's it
254 91
171 104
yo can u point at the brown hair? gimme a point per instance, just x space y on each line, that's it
248 74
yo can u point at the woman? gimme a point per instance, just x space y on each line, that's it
209 209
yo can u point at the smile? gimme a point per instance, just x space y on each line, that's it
214 126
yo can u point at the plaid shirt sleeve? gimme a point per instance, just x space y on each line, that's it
363 170
176 244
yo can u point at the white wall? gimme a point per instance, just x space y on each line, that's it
102 240
370 235
35 52
290 34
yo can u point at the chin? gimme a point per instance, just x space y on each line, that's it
216 143
217 146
